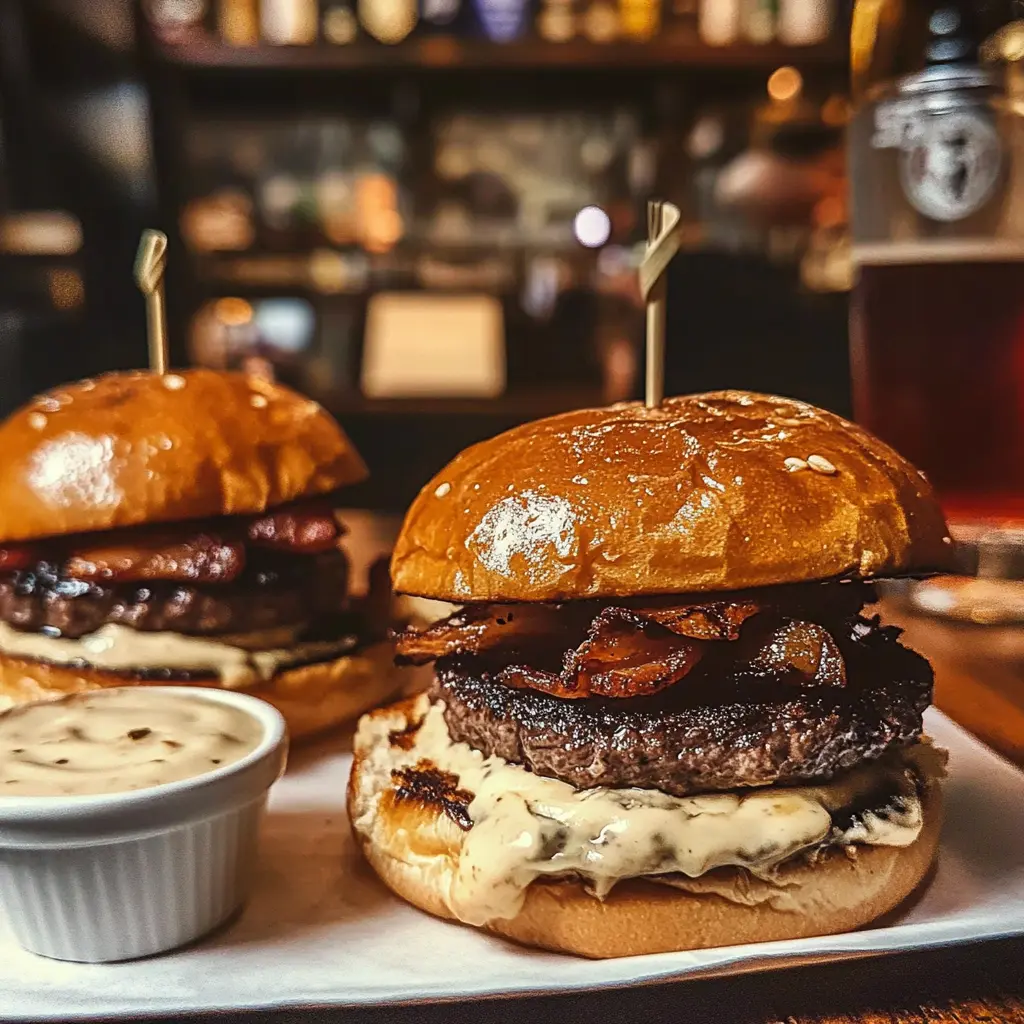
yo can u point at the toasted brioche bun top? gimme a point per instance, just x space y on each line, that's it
695 495
132 448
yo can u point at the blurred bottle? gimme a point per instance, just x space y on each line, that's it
758 20
175 20
440 15
289 22
640 19
388 21
805 22
937 163
556 20
719 21
502 20
600 21
338 22
238 22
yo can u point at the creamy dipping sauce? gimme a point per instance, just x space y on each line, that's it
113 741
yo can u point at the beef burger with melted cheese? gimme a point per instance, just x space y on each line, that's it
181 528
661 719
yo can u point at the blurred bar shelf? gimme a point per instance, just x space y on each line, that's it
450 53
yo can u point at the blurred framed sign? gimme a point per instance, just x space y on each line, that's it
419 345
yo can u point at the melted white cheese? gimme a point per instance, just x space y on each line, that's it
526 826
121 649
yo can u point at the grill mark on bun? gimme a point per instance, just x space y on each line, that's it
427 786
405 738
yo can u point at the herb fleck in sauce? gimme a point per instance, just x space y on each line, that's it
96 742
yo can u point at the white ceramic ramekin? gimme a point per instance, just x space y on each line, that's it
124 875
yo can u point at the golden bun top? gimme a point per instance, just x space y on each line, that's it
712 492
136 447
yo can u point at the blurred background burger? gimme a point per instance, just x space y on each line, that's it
182 528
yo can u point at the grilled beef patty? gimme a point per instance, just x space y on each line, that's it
714 732
273 590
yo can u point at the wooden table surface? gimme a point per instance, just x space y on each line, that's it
970 984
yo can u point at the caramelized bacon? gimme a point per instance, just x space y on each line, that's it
479 628
716 620
209 551
202 558
308 529
640 647
20 556
802 651
618 659
621 659
614 651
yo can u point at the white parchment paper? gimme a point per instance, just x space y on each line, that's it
320 929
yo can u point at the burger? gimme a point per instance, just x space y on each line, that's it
181 528
663 717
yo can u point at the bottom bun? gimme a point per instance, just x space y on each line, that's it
311 697
415 850
838 893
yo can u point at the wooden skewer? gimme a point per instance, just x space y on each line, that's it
663 241
150 264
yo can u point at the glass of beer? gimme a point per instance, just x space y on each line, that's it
937 315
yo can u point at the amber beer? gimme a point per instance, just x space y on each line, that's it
937 312
938 367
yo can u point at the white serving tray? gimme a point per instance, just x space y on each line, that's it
321 931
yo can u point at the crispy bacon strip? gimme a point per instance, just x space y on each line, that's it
479 628
621 659
640 648
203 558
622 654
716 620
618 659
307 529
210 551
20 556
802 651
